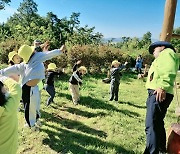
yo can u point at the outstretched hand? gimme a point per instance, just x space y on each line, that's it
126 63
63 48
78 62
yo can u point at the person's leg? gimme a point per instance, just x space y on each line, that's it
111 91
151 134
155 131
51 92
73 90
116 91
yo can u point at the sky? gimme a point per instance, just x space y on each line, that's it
112 18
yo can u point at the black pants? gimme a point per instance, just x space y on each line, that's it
155 131
114 90
51 92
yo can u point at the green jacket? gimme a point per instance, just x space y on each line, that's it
9 120
163 70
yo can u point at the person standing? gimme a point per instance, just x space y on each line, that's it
160 83
139 62
115 79
49 85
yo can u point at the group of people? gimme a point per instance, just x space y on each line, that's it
26 77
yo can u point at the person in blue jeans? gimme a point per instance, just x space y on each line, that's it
115 79
49 87
138 65
160 83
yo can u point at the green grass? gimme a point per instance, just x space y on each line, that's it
95 125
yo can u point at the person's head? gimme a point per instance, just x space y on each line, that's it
25 52
14 58
115 64
82 70
37 46
51 67
2 94
157 47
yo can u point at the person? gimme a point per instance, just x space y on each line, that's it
76 80
49 84
145 72
9 102
138 65
115 79
32 71
160 83
14 59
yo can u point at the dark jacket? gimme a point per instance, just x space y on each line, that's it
50 77
72 79
116 74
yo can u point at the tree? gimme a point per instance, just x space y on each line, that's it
3 2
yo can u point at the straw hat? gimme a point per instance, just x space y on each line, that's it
115 62
83 68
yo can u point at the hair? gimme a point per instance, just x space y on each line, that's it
11 62
2 96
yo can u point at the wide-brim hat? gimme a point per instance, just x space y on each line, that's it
83 68
159 44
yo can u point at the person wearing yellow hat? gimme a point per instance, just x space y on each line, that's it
14 59
115 79
49 83
32 71
76 80
9 101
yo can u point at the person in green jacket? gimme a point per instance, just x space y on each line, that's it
9 102
160 83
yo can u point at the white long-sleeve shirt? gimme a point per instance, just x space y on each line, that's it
34 69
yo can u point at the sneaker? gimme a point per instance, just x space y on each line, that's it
35 128
38 123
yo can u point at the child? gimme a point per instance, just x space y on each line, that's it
49 87
9 101
115 79
32 71
76 80
14 59
145 72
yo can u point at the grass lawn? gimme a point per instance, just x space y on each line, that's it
95 125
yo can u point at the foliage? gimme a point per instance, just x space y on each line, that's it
3 2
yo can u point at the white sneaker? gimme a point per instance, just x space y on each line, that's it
35 128
38 123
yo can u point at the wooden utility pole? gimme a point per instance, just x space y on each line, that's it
168 24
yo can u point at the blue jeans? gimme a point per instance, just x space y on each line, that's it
51 92
155 131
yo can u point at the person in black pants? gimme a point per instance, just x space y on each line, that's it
49 85
160 83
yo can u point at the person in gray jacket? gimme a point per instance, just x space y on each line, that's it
115 79
31 71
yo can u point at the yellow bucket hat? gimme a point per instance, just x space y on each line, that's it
115 62
83 68
11 55
51 66
25 52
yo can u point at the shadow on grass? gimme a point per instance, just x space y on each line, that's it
68 141
73 124
95 103
84 113
134 105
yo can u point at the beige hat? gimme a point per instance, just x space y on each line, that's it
51 66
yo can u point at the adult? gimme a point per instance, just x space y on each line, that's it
160 83
138 66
